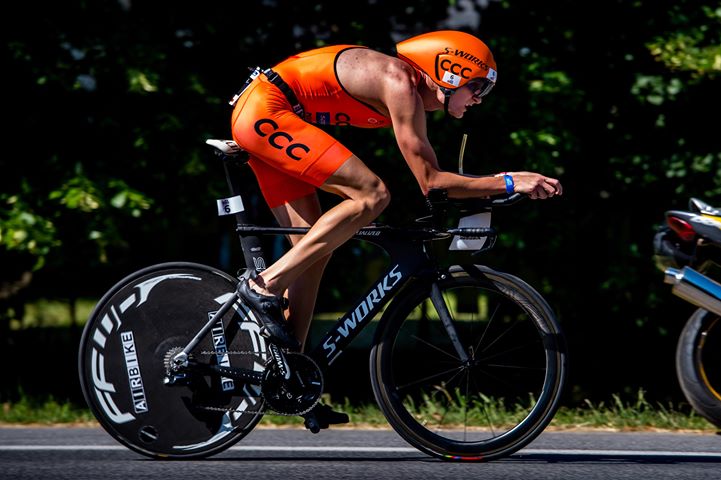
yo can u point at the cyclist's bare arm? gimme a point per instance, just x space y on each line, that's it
407 111
389 85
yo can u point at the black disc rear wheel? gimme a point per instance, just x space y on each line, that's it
123 354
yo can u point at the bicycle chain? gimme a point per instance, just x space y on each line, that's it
232 352
230 410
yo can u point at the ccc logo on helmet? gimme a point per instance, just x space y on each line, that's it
455 68
279 139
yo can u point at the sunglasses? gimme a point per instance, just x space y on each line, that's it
480 87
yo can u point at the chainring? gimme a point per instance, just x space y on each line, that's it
170 369
300 393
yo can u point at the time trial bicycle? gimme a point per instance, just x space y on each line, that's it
467 363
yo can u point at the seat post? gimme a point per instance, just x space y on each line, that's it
251 244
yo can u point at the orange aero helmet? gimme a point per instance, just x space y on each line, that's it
451 59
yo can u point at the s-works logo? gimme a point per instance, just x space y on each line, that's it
363 311
265 127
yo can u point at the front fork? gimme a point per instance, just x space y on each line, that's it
439 303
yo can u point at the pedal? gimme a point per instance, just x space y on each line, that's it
311 423
322 416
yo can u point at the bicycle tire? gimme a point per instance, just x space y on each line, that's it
121 362
698 360
424 389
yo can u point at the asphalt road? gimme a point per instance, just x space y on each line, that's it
89 453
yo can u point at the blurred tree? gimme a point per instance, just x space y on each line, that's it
110 102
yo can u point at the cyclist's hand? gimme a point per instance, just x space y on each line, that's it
536 185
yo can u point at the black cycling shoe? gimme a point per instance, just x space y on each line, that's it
322 416
270 312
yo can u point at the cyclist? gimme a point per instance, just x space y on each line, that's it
351 85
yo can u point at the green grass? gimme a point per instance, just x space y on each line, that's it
46 411
636 415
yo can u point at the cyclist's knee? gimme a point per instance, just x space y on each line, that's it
384 197
376 198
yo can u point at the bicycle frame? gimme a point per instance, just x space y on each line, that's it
406 263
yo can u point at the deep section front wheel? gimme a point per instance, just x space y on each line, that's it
135 329
698 364
479 390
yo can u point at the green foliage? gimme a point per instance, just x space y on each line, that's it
45 313
82 194
616 98
696 46
656 89
23 230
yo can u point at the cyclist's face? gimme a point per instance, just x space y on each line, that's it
462 99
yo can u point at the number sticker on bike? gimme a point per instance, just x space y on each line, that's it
229 206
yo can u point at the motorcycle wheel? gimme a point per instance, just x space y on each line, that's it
698 364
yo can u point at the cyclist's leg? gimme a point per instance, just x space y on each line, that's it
303 212
365 197
291 158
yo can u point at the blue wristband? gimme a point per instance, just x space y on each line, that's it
510 186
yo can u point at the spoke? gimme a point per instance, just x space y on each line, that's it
465 409
443 417
509 350
435 348
517 367
485 412
511 385
470 334
415 382
488 326
517 322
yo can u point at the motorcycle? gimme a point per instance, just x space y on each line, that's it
688 249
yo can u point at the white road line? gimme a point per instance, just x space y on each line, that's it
620 453
59 448
273 448
247 448
276 448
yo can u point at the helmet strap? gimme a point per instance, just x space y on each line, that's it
447 92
